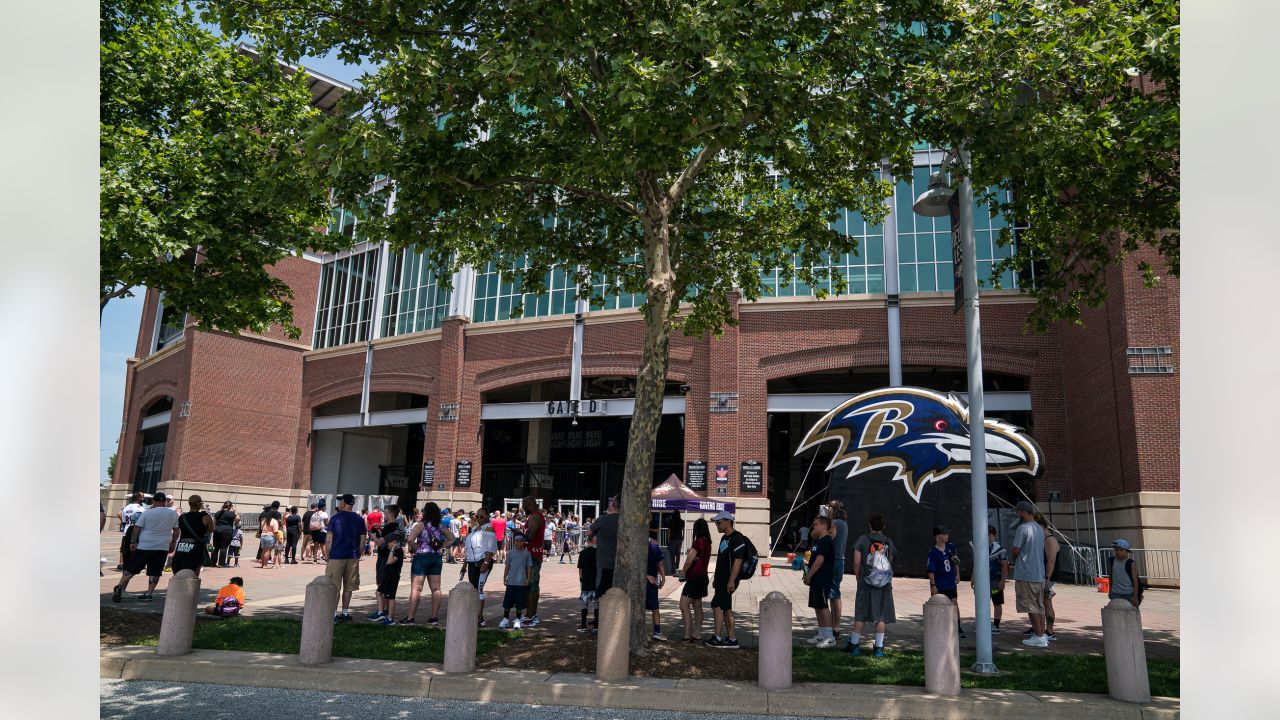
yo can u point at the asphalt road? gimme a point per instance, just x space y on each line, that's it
138 699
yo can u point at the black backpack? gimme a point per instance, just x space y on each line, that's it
750 562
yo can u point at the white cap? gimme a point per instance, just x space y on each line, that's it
723 515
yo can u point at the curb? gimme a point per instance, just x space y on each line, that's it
526 687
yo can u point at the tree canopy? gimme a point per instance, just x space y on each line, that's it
202 186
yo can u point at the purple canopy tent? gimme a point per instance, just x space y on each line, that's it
672 494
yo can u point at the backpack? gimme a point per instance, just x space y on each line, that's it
316 523
750 562
1128 570
230 607
879 569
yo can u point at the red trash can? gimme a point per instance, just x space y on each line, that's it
764 569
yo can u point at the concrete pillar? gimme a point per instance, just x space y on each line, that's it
460 628
613 641
941 647
775 642
179 620
317 622
1126 654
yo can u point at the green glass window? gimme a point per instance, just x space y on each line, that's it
412 300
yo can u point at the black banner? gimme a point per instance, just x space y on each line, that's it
428 473
750 481
695 475
464 474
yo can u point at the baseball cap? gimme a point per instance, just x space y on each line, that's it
518 537
159 497
1025 506
348 498
1120 543
940 530
320 503
722 515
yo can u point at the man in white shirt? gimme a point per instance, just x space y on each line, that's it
151 540
128 515
481 546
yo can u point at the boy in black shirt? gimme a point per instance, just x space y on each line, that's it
821 563
587 584
732 553
390 564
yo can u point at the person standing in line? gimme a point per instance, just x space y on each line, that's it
1028 572
319 528
516 575
499 525
654 579
306 533
566 538
1125 584
998 567
129 515
587 585
224 528
873 554
292 532
822 562
840 537
695 579
535 538
387 571
373 522
675 540
480 548
342 547
153 536
267 540
733 552
804 539
605 532
944 569
430 540
193 526
1051 548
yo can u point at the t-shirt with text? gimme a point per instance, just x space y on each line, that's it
945 572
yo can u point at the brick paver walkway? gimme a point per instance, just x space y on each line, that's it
280 592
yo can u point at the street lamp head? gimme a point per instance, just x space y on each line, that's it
933 202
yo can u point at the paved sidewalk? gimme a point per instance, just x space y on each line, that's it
408 679
281 591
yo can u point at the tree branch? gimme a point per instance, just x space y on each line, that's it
617 202
586 116
682 183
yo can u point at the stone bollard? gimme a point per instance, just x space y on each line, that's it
941 647
613 641
317 622
1126 654
179 620
460 628
775 642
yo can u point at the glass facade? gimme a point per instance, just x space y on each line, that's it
863 270
344 306
498 291
171 327
413 301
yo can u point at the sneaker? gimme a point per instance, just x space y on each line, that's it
506 623
375 617
433 622
714 642
533 621
878 652
1027 632
994 629
855 650
387 620
481 623
117 594
408 621
1051 636
826 643
517 624
145 597
584 628
813 640
1036 641
730 644
659 636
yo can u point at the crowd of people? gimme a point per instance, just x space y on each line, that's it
156 539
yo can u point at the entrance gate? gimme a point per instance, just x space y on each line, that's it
586 510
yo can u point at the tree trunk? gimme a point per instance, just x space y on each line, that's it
637 482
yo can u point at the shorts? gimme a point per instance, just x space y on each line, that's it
1048 589
695 588
152 560
477 577
388 584
344 573
997 596
535 576
949 593
1120 596
1030 597
268 541
604 581
192 561
650 596
588 597
426 564
819 597
319 536
837 574
873 604
722 600
517 597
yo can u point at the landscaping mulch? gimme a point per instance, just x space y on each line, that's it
577 654
126 627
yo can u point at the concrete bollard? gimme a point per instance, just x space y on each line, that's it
317 622
775 642
941 647
1126 654
178 623
613 646
460 628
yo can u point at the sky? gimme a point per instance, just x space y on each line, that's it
118 333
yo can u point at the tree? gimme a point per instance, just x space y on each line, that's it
1074 108
111 466
201 182
672 149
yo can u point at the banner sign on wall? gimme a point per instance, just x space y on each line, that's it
428 473
722 474
750 481
695 475
464 474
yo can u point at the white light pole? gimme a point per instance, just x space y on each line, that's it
935 202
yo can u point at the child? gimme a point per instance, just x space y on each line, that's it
654 579
587 584
518 567
230 600
387 575
998 567
822 560
236 540
944 568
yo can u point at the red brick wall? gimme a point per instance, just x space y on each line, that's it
1152 319
303 277
167 376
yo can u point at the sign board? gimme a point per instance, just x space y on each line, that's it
722 490
750 481
577 407
463 474
428 473
695 475
722 474
1055 496
957 251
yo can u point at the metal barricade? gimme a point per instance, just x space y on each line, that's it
1081 562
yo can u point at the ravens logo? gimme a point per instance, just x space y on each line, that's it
922 434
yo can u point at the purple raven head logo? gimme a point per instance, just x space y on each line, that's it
923 435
